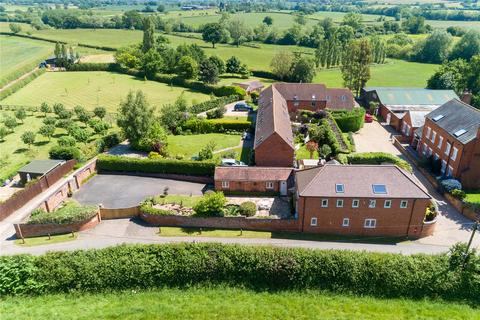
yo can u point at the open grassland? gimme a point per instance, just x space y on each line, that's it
91 89
441 24
190 145
395 73
226 303
338 17
19 56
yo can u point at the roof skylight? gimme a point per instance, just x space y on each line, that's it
439 117
379 188
459 132
339 188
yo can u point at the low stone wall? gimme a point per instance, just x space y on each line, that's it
292 225
24 230
457 204
470 213
120 213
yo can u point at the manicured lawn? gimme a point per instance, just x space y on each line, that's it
395 73
186 201
205 232
38 241
19 56
91 89
226 303
473 196
190 145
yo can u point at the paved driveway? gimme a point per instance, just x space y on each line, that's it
375 137
117 191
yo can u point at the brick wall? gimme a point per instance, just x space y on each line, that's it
394 221
23 230
274 152
292 225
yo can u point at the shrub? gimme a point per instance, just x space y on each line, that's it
248 208
165 166
450 184
211 205
459 194
216 113
66 141
378 158
71 212
65 153
230 91
147 207
212 104
349 120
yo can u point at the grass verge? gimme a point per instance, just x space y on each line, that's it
39 241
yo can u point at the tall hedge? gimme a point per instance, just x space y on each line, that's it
167 166
349 120
149 266
377 158
213 103
200 126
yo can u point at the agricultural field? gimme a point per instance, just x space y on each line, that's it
19 56
440 24
189 145
227 303
395 73
91 89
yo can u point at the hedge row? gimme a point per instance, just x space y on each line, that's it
377 158
199 126
167 166
349 120
130 267
212 104
21 83
70 213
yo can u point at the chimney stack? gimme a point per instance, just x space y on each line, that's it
466 97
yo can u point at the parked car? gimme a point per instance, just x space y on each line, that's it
368 118
232 163
242 106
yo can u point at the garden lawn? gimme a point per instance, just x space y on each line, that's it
91 89
206 232
39 241
395 73
19 56
473 196
226 303
186 201
190 145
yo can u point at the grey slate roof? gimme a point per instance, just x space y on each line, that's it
358 181
457 115
418 118
40 166
412 96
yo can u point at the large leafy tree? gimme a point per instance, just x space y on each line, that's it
28 137
214 33
282 64
135 116
209 72
356 65
152 63
467 47
187 67
238 31
148 34
303 70
434 49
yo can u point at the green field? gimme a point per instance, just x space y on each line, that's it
396 73
91 89
19 56
473 196
226 303
190 145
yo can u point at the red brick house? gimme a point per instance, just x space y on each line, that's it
253 179
451 134
278 104
412 120
366 200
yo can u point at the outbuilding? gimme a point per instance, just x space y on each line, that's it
37 169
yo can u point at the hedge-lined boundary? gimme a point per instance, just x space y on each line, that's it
166 166
150 266
201 126
170 79
376 158
212 104
349 120
21 83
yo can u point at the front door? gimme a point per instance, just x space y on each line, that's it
389 116
283 188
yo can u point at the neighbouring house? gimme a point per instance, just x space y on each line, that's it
278 105
253 179
37 168
250 86
403 108
366 200
52 61
451 135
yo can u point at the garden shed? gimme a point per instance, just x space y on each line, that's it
37 169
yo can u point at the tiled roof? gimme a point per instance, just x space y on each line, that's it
358 181
252 85
252 173
418 118
272 117
456 116
412 96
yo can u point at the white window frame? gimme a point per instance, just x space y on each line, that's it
357 202
313 222
370 223
454 154
450 171
440 142
428 132
324 203
225 184
447 148
339 203
444 167
387 204
436 156
434 135
339 185
424 149
346 222
404 204
269 185
372 203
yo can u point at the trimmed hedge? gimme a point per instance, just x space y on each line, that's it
130 267
167 166
349 120
199 126
92 66
212 104
377 158
70 213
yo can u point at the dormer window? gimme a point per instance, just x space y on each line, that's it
339 188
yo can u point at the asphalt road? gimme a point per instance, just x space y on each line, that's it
118 191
